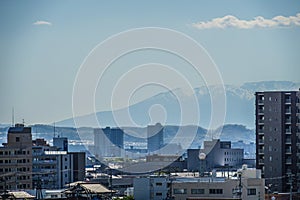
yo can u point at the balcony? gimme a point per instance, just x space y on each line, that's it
288 101
260 121
288 141
260 131
260 111
288 151
261 141
288 121
260 151
288 161
260 101
261 161
288 111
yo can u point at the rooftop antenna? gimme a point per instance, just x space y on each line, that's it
54 129
13 116
23 121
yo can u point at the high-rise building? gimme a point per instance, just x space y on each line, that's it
108 142
278 139
155 138
16 159
61 143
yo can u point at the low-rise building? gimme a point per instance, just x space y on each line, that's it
217 153
150 188
248 185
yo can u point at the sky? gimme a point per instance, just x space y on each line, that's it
44 43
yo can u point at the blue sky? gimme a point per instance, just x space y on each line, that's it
43 44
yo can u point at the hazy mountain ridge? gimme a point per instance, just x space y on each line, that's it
239 102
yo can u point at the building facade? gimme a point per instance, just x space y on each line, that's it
248 186
150 188
108 142
217 153
155 138
54 169
16 159
278 139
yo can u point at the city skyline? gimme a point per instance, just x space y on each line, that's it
44 44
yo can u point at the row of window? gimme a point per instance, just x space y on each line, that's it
14 152
233 153
250 191
197 191
14 161
21 169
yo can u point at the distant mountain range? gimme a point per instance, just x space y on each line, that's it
239 102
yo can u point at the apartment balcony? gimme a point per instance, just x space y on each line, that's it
260 111
261 141
288 131
260 102
288 161
288 111
288 151
260 121
288 141
288 121
260 131
261 161
261 151
288 101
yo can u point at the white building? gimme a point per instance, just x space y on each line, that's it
249 186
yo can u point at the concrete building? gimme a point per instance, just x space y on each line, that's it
217 153
248 186
16 159
53 169
278 139
155 138
150 188
108 142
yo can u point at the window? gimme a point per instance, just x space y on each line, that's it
215 191
158 194
251 191
17 139
179 191
197 191
158 184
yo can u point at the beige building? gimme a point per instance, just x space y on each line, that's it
251 184
16 159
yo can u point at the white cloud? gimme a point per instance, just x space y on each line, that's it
234 22
42 23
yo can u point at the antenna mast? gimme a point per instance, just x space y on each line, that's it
13 116
54 130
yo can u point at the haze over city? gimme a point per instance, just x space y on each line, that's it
43 45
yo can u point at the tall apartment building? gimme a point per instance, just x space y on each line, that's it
278 139
155 138
16 159
108 142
